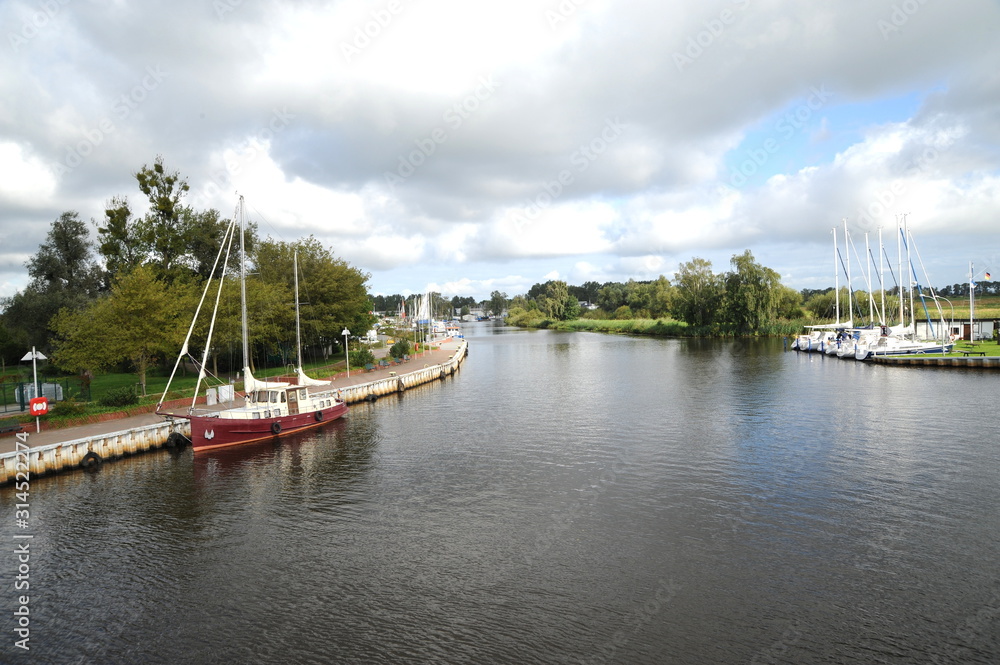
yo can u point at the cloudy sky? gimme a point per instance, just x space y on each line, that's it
467 147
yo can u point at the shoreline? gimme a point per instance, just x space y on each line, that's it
61 449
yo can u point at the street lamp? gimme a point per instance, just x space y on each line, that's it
347 358
34 357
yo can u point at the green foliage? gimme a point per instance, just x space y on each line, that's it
332 293
526 318
624 312
137 322
63 274
119 397
400 348
751 295
497 303
698 293
362 358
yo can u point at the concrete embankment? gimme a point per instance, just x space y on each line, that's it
930 360
90 445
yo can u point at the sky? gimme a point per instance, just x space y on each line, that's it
468 147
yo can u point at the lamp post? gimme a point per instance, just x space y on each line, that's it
347 357
34 357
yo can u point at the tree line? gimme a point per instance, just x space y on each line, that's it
126 299
743 300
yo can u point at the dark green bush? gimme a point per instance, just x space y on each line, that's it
119 397
400 349
362 358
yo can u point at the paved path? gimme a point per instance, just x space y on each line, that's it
357 377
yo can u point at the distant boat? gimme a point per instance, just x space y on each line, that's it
270 409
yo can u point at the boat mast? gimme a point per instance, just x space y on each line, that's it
972 300
899 266
881 275
850 288
836 273
911 273
243 292
868 268
298 330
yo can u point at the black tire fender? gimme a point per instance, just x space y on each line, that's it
91 460
275 428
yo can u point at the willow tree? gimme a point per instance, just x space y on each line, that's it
752 294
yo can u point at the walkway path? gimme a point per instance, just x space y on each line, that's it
357 377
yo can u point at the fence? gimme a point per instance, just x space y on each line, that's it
15 393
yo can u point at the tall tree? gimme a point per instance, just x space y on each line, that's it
122 242
142 319
698 293
164 224
63 274
498 303
332 292
751 294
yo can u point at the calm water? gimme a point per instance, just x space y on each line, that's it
563 499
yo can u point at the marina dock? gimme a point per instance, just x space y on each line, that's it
88 446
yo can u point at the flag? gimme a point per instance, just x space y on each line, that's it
987 275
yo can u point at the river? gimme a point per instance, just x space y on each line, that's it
563 498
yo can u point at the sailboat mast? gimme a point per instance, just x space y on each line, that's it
912 275
899 288
836 274
850 287
972 300
298 329
243 289
881 275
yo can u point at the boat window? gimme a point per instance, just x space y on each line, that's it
256 416
261 396
274 395
282 398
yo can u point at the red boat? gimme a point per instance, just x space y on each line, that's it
269 409
267 413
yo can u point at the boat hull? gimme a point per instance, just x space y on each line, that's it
209 432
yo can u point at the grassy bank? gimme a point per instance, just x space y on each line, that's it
657 327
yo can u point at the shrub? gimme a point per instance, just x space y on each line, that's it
362 358
119 397
400 349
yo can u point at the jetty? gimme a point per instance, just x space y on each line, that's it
88 446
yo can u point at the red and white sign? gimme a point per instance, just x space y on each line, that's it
38 406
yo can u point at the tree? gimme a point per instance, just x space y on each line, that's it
63 274
698 293
751 295
611 296
122 243
164 224
333 294
142 319
498 303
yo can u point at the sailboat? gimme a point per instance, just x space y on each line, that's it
270 409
